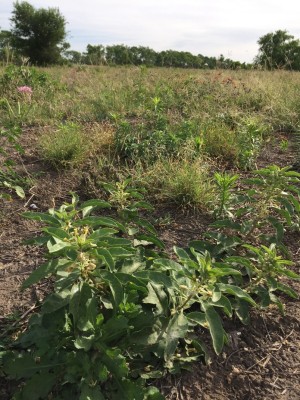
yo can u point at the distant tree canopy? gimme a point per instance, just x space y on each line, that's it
279 50
139 55
38 33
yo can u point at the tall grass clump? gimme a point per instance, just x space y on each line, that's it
183 182
66 147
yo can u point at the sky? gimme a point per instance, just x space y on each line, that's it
207 27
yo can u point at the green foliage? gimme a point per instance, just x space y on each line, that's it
38 33
14 76
225 183
9 178
154 140
184 182
250 141
64 148
263 211
279 50
122 311
217 140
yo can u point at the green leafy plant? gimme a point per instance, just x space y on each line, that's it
271 200
250 139
9 178
129 309
108 306
18 76
284 145
151 141
225 184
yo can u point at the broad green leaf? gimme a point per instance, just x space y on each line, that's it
142 205
223 270
83 342
102 232
132 264
146 225
177 329
279 228
44 271
67 280
295 202
292 173
284 213
168 264
287 290
156 277
130 389
114 242
83 307
115 287
54 302
153 393
89 206
20 191
224 303
151 239
39 385
226 223
242 310
198 318
42 217
287 272
215 327
94 203
56 232
236 291
286 203
100 221
238 260
20 365
114 329
157 296
39 241
274 299
182 254
129 278
107 258
120 252
115 363
91 393
59 245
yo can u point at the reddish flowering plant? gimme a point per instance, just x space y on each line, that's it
25 89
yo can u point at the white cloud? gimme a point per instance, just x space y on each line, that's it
212 27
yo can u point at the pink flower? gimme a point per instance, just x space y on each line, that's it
25 89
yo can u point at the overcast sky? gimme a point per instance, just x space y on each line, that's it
208 27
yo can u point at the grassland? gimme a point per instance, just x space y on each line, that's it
185 141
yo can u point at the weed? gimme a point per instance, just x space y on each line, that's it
251 134
129 308
65 148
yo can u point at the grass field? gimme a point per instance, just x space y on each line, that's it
174 215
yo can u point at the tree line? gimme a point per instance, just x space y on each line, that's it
139 55
39 35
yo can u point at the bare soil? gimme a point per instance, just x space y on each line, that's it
261 361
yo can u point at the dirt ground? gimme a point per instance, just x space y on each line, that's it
261 361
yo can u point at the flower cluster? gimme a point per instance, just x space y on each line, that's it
25 89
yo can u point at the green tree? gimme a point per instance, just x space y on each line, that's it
95 55
6 51
38 33
279 50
